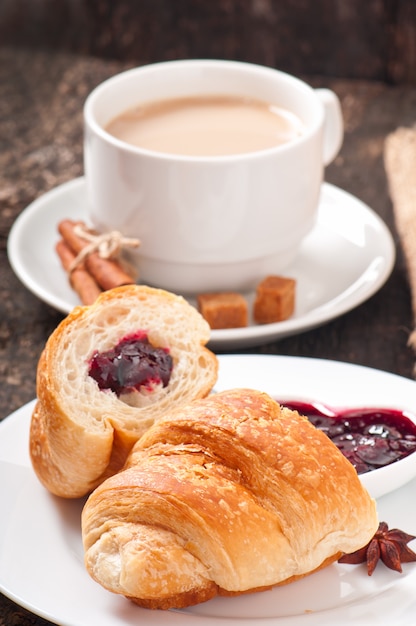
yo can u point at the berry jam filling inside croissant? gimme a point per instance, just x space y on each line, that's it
133 364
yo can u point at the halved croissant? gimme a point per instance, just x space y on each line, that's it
227 495
80 434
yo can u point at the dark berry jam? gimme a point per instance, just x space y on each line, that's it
369 438
133 364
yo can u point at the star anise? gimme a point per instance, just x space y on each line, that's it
388 545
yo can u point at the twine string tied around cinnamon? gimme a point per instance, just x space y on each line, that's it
107 245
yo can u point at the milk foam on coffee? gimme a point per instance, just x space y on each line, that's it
206 126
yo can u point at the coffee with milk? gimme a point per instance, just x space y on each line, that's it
209 125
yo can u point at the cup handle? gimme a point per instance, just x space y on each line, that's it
333 125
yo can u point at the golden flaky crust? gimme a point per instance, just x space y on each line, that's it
80 434
227 495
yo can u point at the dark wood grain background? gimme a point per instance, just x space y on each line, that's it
372 39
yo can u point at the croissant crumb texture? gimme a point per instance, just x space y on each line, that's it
227 495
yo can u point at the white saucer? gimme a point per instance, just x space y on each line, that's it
41 555
345 260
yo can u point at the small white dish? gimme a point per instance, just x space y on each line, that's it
347 258
337 386
41 556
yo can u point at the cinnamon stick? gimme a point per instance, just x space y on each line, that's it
80 280
106 272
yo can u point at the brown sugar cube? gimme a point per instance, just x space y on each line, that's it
275 300
223 310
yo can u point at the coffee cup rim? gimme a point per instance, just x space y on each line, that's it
91 122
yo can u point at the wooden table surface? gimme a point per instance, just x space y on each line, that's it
41 99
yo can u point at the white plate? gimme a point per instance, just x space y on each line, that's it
346 259
41 559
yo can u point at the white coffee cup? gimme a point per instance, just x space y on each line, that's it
217 222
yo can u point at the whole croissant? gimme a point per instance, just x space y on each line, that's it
229 494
